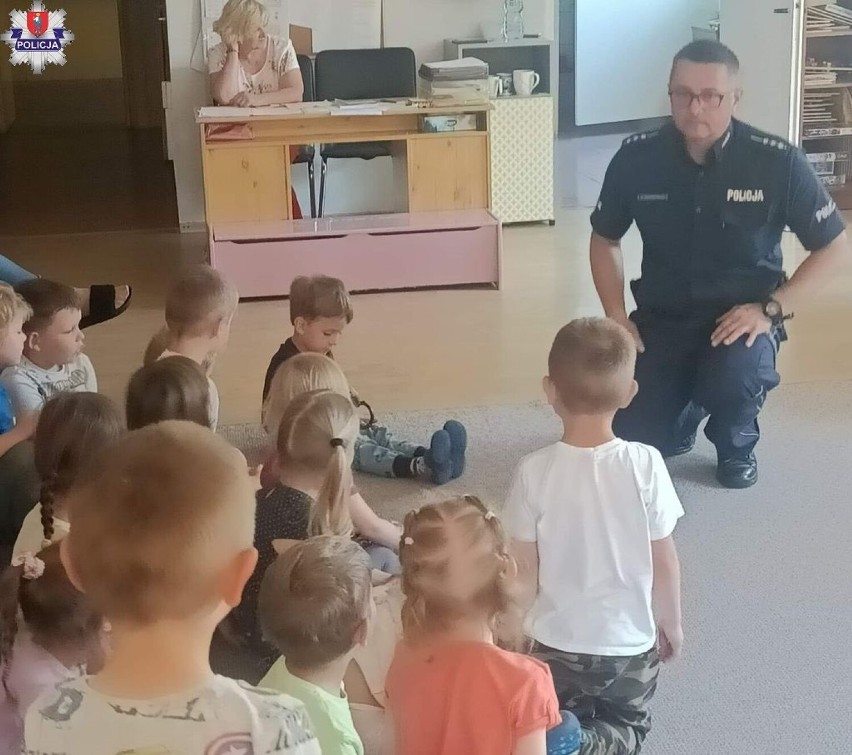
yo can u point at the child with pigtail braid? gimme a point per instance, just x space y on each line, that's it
72 429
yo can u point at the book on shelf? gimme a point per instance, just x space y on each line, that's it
834 180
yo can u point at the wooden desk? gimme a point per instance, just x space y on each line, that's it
249 179
440 233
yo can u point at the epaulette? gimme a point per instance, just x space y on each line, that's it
642 136
769 141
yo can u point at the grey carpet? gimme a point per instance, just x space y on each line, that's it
767 666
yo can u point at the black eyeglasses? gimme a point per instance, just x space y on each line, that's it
708 99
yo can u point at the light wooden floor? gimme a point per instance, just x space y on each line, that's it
429 349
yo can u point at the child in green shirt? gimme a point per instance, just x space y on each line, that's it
315 606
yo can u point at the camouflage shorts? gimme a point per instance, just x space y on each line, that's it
609 694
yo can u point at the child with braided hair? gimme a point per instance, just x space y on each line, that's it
449 687
72 429
48 633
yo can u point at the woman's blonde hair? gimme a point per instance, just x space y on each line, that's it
300 374
456 564
317 433
239 18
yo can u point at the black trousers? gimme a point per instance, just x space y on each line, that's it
682 379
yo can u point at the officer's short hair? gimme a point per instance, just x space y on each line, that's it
708 51
591 365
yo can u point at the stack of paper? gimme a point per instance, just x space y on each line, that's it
462 69
828 17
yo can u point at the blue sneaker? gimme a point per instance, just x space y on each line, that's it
437 458
565 738
458 445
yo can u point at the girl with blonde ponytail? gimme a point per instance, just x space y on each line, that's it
316 438
309 372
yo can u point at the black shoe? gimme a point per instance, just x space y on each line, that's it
685 446
737 473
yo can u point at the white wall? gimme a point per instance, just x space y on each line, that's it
624 51
424 24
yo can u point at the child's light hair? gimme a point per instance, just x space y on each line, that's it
73 428
319 296
300 374
591 365
55 614
317 434
156 522
198 301
456 565
45 298
12 306
170 388
239 19
314 599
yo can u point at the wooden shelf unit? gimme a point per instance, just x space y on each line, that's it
829 46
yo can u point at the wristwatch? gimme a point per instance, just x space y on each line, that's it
774 311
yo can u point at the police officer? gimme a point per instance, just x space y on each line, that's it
711 197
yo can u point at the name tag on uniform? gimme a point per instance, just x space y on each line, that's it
652 197
745 195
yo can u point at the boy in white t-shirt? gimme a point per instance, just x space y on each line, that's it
591 519
161 543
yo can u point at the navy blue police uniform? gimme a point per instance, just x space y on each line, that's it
711 238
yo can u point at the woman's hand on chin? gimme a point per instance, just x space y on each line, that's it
243 99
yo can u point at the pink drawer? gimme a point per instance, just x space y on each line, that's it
387 259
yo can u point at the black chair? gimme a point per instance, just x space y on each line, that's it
307 152
362 75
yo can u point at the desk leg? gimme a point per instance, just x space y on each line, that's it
399 155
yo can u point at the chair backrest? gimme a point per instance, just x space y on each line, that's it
307 67
366 74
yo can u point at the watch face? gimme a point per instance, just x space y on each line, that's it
772 309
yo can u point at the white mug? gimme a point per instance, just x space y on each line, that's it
495 87
525 82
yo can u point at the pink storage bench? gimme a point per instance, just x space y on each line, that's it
367 252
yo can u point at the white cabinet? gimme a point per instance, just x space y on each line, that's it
522 159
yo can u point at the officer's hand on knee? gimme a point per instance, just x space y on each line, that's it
742 320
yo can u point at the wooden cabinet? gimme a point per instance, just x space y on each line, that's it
247 183
448 172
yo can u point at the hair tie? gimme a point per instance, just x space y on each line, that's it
335 442
33 566
408 540
489 515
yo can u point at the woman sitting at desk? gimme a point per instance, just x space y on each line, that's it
250 68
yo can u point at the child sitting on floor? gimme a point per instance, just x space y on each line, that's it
309 372
450 688
315 442
591 517
48 633
72 429
315 607
53 360
18 479
200 308
170 388
164 584
320 309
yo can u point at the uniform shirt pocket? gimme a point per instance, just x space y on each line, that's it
746 233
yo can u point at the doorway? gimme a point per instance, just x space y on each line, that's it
97 122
